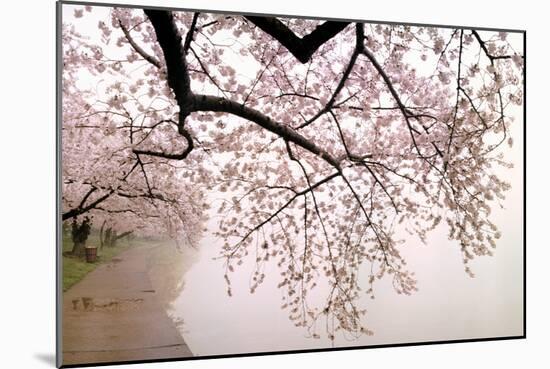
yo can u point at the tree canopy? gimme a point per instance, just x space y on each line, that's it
321 138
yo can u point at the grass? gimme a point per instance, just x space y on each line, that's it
74 269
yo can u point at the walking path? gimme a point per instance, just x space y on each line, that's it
114 314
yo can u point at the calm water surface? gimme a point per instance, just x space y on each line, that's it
448 306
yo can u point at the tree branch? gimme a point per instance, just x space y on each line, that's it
486 51
296 195
122 235
73 213
170 41
183 155
169 38
189 36
91 191
220 104
359 47
301 48
151 59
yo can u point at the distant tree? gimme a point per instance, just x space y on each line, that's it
80 232
326 138
103 177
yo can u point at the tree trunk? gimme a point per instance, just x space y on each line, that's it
107 240
80 233
79 249
101 240
114 238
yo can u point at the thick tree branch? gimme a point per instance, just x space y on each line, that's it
170 40
122 235
189 36
301 48
85 198
220 104
78 211
181 156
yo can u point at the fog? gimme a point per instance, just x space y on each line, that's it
449 305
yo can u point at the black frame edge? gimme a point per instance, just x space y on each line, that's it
239 12
58 222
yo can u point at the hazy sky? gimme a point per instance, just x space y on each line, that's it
449 304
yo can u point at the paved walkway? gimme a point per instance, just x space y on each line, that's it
113 314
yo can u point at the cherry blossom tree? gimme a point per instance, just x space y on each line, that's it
105 182
324 138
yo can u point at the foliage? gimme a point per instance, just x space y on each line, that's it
322 138
103 178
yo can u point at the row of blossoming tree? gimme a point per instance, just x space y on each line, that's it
321 138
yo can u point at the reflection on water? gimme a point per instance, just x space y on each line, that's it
215 323
167 267
105 304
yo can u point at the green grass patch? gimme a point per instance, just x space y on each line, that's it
74 269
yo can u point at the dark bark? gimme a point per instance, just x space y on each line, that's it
170 40
101 234
79 249
112 236
302 48
73 213
117 237
122 235
82 208
151 59
220 104
107 239
80 233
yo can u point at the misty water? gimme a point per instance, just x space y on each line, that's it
449 305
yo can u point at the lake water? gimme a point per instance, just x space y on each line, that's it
449 305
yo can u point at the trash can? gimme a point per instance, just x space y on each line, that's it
91 254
